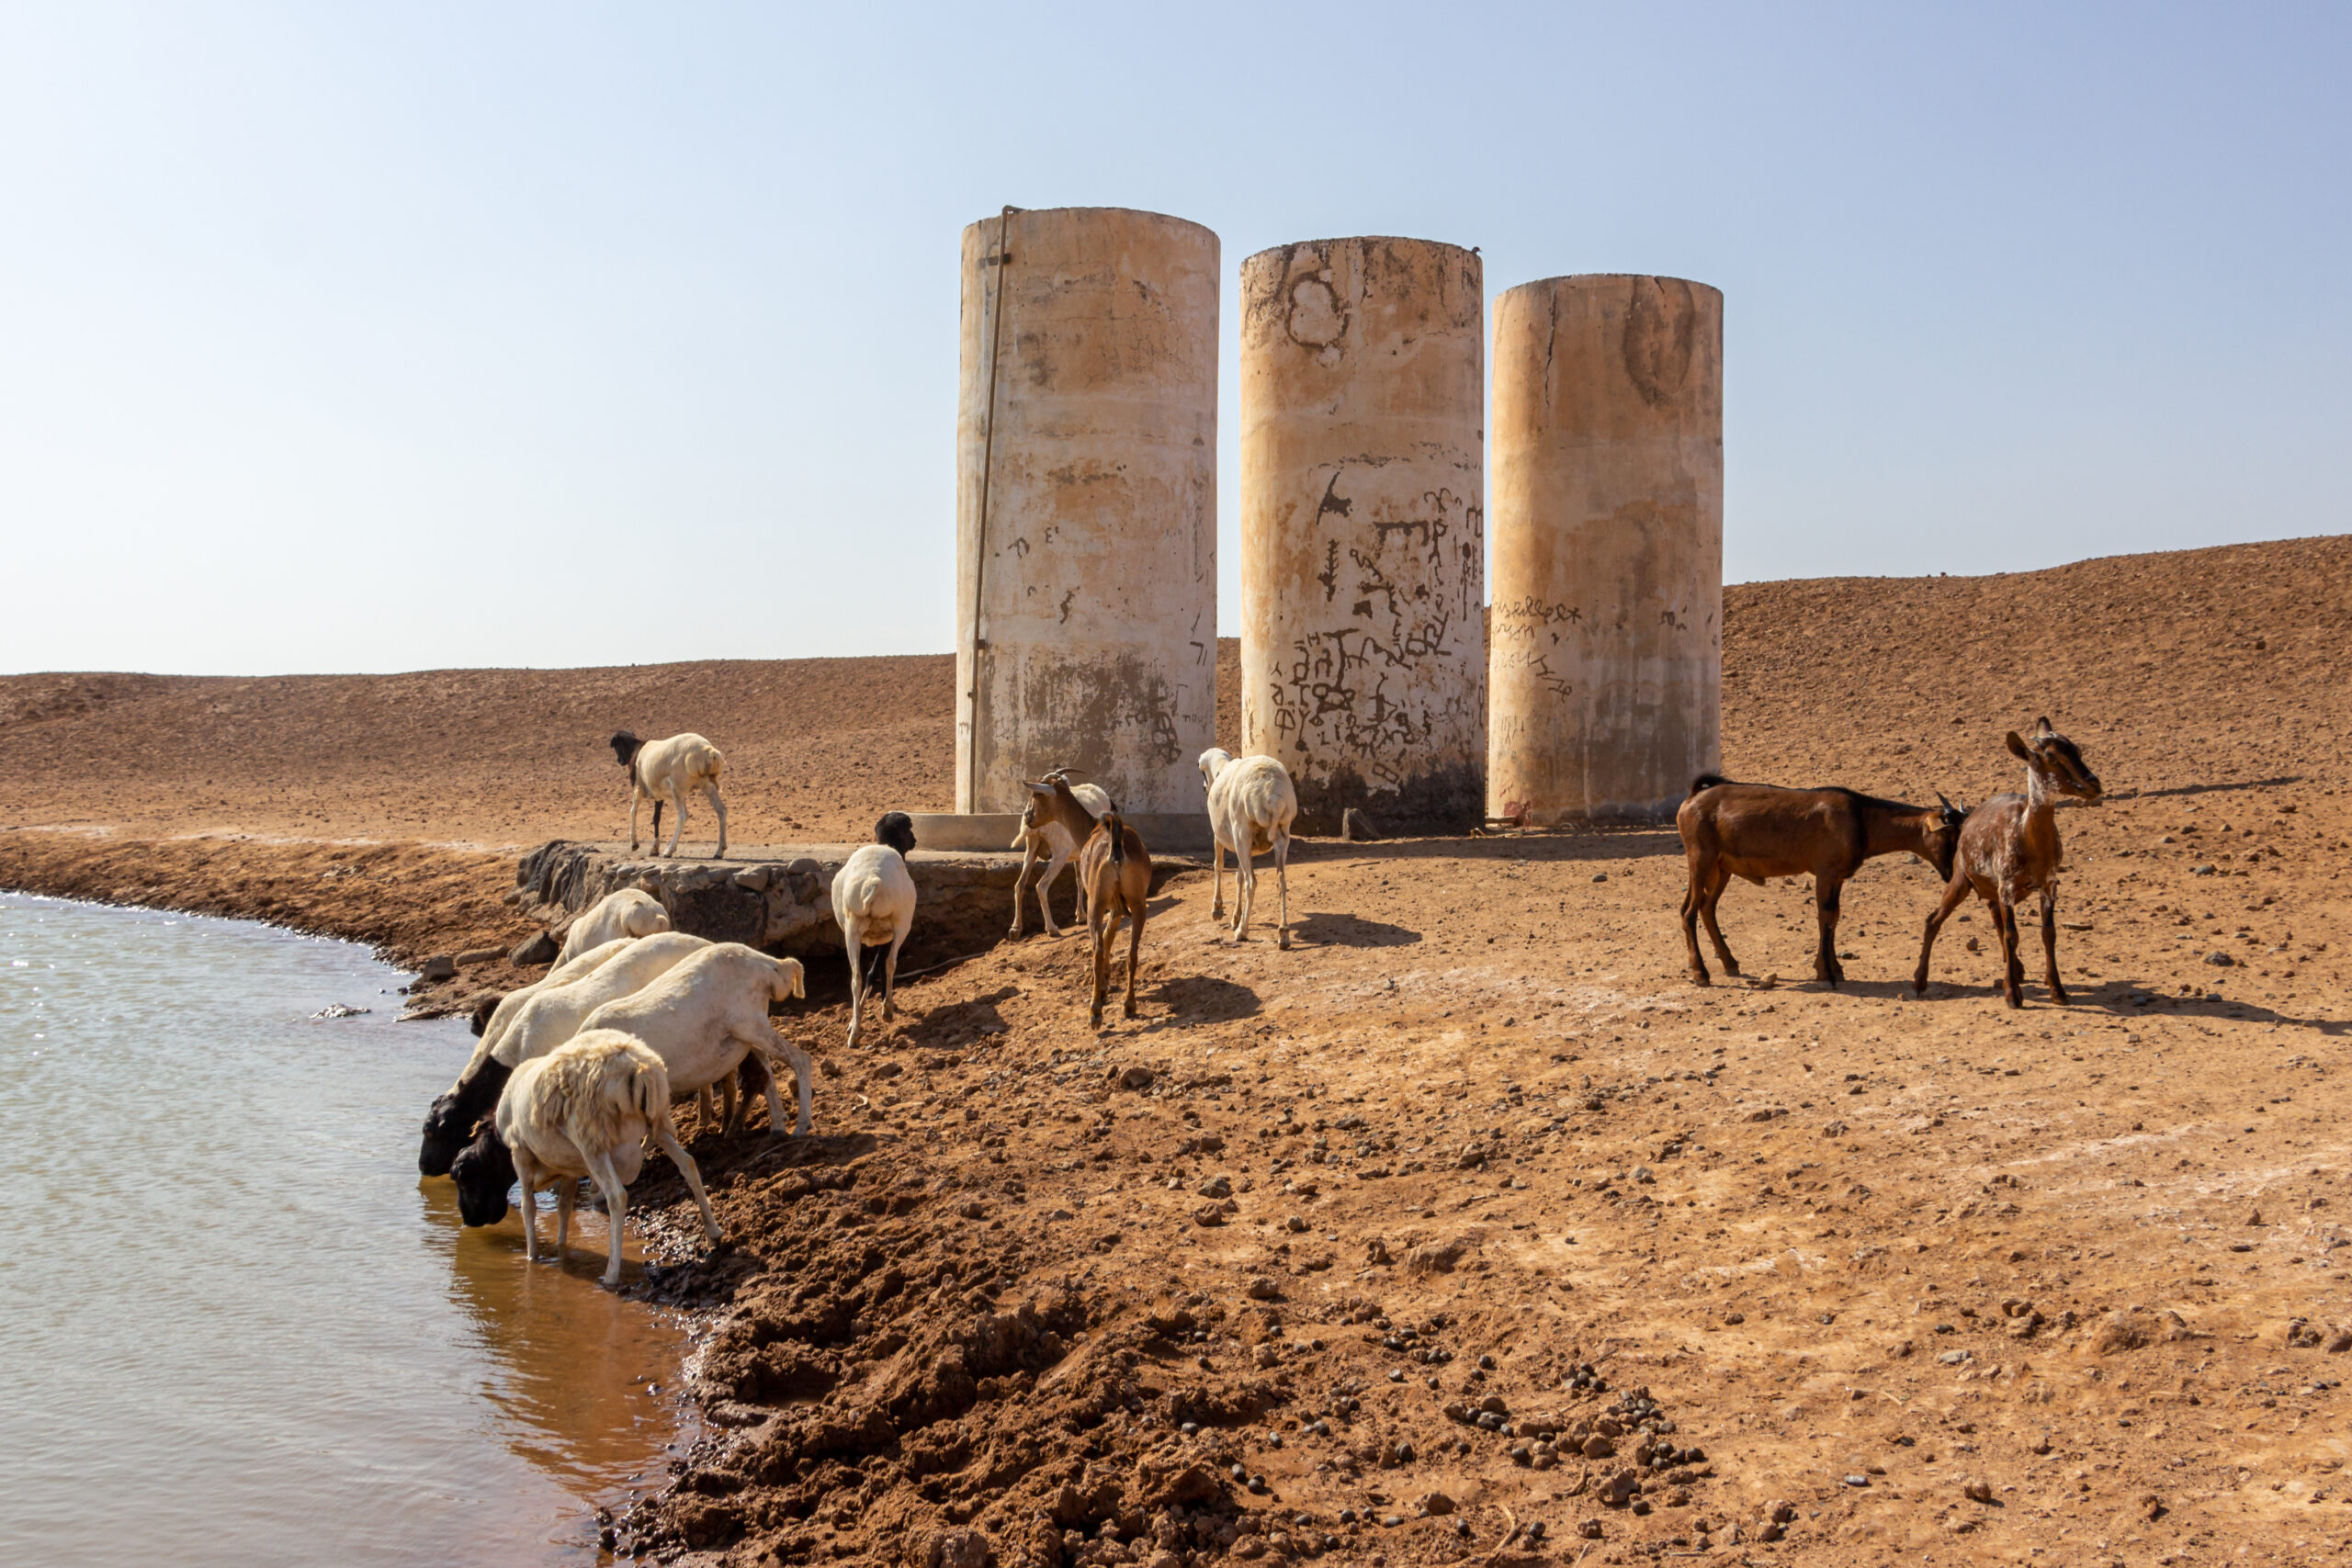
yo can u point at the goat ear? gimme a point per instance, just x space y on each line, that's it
2041 726
2016 744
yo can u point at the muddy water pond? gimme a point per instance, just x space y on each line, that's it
234 1324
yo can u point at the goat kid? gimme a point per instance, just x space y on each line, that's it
1252 806
874 901
2009 849
1756 831
1114 873
584 1110
662 771
1044 836
629 911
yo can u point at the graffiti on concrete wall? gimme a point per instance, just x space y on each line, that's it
1367 687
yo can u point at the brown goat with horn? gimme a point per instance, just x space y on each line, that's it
1114 875
2009 849
1760 831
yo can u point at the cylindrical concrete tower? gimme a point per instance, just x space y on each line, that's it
1363 555
1608 526
1086 506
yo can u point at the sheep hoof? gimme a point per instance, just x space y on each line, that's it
1283 941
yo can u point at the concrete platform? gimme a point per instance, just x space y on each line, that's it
1174 832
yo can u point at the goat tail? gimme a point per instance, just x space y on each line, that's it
1118 831
1707 781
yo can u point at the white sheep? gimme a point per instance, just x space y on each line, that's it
586 1109
1251 806
874 901
450 1121
703 1016
553 1016
662 772
1045 839
632 911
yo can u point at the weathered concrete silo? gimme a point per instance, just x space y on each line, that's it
1609 517
1086 506
1364 659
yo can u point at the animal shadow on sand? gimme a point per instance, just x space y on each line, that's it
2118 999
953 1022
1185 1000
1323 928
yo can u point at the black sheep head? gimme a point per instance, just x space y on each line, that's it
482 1010
451 1119
484 1173
625 745
897 831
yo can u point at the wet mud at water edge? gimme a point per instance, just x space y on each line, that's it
239 1328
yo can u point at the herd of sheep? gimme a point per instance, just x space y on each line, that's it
574 1074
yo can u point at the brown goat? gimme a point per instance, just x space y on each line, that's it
2009 849
1114 872
1760 831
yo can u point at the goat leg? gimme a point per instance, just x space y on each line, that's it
890 975
1021 892
1245 893
1825 967
1095 917
795 1059
667 1137
2050 942
1135 952
2005 914
608 1181
1954 892
1698 975
731 1107
1282 881
854 935
527 1177
1708 899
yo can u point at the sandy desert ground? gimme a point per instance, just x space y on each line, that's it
1468 1213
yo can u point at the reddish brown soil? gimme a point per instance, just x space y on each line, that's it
2079 1254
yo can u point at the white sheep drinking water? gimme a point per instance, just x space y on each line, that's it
705 1016
584 1110
1252 806
632 911
557 1013
1045 838
450 1121
874 901
662 771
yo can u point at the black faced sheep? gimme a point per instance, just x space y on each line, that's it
584 1110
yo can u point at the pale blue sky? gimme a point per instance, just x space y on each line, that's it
343 337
